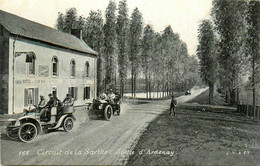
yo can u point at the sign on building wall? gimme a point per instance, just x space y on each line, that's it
43 71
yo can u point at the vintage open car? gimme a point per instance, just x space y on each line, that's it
106 108
32 123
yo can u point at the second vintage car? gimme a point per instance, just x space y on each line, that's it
106 108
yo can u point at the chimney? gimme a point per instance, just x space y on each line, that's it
77 33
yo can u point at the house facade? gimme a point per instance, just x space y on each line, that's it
36 59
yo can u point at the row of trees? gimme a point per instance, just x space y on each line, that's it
128 50
229 47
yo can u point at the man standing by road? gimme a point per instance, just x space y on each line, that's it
173 106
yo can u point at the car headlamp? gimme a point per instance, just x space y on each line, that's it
100 106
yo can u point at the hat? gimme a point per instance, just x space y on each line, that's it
42 95
50 94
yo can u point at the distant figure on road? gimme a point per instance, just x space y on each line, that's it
173 106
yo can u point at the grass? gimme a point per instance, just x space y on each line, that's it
198 138
202 99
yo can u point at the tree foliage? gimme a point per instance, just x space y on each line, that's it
122 30
136 29
229 19
93 35
123 45
206 52
110 45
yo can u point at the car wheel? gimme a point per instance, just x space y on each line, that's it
68 124
108 112
27 132
11 134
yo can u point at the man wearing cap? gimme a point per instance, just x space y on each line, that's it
111 95
53 102
68 101
42 102
173 106
38 107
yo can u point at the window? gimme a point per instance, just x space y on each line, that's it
32 67
30 59
73 67
73 91
31 96
54 66
86 93
87 69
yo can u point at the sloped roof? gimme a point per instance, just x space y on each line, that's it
26 28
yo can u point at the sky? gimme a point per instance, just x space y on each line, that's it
184 16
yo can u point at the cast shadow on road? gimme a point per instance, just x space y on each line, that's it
49 132
5 137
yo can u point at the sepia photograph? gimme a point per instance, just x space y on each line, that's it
130 82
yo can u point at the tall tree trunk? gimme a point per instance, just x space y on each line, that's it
253 85
146 84
132 80
211 92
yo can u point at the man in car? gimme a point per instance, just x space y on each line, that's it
42 103
103 97
68 101
111 96
173 106
39 107
53 102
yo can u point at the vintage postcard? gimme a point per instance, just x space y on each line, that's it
130 82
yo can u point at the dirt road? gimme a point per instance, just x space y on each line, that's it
92 142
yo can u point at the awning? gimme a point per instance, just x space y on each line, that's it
29 56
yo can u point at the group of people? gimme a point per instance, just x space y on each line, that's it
110 96
53 102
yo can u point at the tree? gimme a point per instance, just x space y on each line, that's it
207 56
70 20
110 45
253 47
60 22
229 20
93 35
136 27
147 52
122 35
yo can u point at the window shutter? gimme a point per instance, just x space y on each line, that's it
84 94
36 96
69 91
25 97
76 93
88 92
